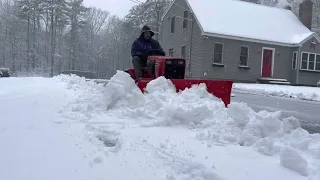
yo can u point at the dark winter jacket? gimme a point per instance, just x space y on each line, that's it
140 46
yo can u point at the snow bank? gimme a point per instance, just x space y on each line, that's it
122 90
298 92
86 97
290 158
205 115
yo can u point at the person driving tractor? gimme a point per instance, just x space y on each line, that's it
140 48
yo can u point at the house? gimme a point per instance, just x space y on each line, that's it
242 41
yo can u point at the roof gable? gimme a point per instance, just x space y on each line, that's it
314 35
248 21
166 12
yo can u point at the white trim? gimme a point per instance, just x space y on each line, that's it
298 66
248 39
222 53
302 52
247 65
273 56
292 59
315 61
313 35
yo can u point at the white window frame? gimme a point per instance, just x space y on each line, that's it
248 55
185 19
174 24
301 60
315 62
185 55
222 54
294 61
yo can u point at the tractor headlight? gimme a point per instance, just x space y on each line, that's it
180 62
169 62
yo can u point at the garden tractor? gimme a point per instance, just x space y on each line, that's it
174 69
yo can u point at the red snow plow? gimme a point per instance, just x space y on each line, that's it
174 69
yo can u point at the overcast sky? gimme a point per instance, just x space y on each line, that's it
115 7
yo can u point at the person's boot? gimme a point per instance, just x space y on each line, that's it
137 67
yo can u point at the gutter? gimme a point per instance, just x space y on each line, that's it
248 39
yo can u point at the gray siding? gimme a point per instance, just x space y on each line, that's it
182 37
202 53
293 78
231 60
197 55
309 77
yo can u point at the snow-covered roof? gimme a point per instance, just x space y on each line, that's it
247 20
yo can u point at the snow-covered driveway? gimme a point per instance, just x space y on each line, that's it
70 129
33 146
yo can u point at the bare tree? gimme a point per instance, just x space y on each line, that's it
46 37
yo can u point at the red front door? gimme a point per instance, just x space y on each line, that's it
267 63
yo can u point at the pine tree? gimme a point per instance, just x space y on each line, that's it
76 16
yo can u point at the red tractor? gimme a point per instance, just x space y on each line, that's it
174 69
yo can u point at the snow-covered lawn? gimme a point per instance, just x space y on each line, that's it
69 128
298 92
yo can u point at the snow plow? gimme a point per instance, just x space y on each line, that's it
174 69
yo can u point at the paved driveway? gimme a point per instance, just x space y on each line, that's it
308 112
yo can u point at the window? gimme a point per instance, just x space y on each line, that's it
312 58
183 51
244 56
173 19
304 61
294 60
310 61
171 52
185 20
318 63
218 53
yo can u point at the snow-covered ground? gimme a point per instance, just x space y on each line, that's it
298 92
69 128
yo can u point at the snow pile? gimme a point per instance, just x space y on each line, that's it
122 90
298 92
161 103
205 115
291 159
85 97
